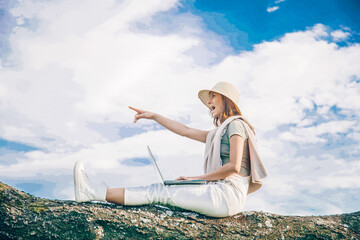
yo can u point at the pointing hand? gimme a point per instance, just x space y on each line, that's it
142 114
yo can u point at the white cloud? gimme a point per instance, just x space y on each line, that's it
339 35
313 134
272 9
279 1
85 63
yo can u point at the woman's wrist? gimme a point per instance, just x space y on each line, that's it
202 177
154 116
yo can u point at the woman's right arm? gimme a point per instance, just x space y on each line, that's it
172 125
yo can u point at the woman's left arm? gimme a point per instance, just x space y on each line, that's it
236 152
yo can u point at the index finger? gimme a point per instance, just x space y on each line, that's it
135 109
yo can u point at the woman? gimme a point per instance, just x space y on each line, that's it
232 165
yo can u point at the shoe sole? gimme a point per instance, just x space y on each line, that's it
78 165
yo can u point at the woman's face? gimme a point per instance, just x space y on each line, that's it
216 104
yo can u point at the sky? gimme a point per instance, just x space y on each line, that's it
69 69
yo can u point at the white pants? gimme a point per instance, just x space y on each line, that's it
216 199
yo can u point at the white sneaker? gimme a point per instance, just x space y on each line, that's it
85 191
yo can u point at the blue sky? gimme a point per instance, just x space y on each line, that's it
68 71
246 23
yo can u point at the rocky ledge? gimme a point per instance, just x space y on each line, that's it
23 216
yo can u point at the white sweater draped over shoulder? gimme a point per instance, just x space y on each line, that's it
213 159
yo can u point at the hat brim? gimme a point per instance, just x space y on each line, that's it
204 96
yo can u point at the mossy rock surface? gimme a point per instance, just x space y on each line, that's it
23 216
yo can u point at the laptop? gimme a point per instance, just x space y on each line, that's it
171 182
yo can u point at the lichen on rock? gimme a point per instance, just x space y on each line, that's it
23 216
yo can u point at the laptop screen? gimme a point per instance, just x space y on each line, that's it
155 165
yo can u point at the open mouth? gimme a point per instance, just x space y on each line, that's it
212 108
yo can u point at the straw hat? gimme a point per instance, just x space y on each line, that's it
224 88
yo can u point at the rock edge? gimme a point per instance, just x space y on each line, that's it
23 216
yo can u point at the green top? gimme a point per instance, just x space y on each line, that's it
235 127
